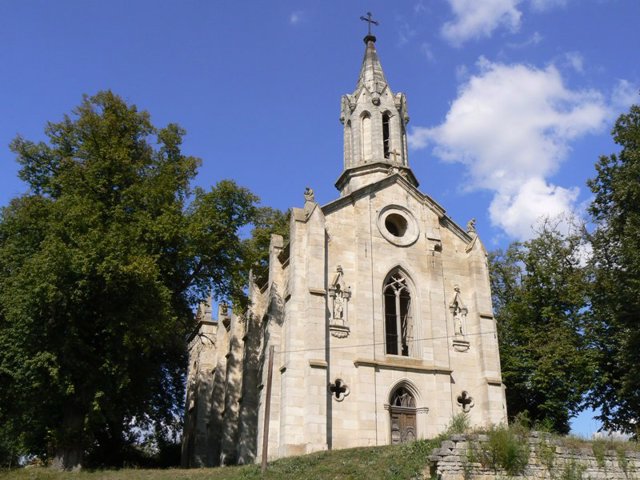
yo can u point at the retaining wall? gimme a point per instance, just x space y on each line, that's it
460 459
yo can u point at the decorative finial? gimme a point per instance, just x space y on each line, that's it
471 226
309 195
369 19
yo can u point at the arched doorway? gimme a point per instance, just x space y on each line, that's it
403 416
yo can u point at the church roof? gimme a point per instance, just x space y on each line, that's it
371 74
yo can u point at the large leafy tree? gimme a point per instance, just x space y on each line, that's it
615 326
100 265
539 292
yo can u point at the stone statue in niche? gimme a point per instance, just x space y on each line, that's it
459 312
338 303
339 297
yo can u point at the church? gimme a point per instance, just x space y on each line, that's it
374 325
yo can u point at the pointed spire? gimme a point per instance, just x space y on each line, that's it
371 74
374 119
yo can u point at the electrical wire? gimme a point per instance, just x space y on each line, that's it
340 347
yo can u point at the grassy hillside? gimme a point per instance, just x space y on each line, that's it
401 462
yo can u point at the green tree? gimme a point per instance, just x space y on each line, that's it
615 324
539 290
101 263
267 221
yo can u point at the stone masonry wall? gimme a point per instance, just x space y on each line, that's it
457 459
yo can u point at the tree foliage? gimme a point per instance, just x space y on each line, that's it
100 266
539 292
615 322
267 221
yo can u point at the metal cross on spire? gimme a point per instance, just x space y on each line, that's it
369 20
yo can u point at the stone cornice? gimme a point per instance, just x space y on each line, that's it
402 363
374 167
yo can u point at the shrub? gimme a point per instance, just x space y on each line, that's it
506 448
459 424
572 471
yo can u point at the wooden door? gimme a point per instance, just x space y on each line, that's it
403 425
403 416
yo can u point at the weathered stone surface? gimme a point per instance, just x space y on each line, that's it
566 462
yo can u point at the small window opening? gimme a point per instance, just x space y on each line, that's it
385 135
396 225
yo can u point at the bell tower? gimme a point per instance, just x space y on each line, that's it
374 120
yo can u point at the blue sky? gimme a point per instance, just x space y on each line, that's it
511 101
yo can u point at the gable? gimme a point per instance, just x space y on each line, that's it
395 189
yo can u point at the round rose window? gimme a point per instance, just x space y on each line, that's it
398 225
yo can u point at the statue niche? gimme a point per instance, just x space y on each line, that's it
459 313
338 302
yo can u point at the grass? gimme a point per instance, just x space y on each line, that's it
395 462
505 448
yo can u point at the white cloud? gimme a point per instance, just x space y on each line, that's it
405 33
575 61
462 73
474 18
427 51
419 8
512 125
295 17
518 212
624 95
534 39
547 4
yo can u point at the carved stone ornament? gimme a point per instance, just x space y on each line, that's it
224 315
348 105
461 345
309 196
339 296
471 230
471 226
339 389
401 105
465 401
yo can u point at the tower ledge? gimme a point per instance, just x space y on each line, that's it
353 178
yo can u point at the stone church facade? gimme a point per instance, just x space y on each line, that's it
378 308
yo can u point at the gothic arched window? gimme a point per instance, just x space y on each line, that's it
398 324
